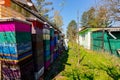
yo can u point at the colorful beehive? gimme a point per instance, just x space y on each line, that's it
15 47
51 43
21 70
37 47
56 45
60 44
46 41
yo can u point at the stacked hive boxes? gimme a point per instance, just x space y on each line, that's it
37 47
16 49
46 41
56 45
59 43
51 43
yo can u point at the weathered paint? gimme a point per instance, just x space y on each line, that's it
104 42
85 38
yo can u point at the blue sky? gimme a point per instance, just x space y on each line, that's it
70 9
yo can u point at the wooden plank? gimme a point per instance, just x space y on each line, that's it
8 12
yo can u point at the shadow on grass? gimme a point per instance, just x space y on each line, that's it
57 66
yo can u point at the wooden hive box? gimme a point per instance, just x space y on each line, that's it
15 42
37 47
16 49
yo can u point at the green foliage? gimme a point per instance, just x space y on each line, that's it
88 18
41 6
72 31
113 6
89 65
95 17
58 20
102 17
84 19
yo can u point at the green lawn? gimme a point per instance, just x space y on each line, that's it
81 64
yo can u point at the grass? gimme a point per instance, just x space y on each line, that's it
82 64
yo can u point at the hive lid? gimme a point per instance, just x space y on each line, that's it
34 19
13 19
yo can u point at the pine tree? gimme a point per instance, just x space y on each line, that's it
72 31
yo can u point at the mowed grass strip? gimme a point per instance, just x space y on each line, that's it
84 64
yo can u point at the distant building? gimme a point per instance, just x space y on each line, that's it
101 39
85 38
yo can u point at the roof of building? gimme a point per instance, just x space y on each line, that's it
25 2
86 29
13 19
33 11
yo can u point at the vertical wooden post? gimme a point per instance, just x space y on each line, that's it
103 39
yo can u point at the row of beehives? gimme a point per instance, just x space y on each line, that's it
27 50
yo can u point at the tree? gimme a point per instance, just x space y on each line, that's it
72 31
113 7
84 19
41 6
57 19
95 17
91 17
88 18
102 17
